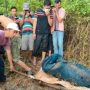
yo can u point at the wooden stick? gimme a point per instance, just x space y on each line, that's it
18 72
43 83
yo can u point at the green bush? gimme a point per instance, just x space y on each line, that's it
80 7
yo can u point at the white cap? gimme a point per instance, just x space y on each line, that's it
13 26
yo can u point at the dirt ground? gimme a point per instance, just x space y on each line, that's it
24 83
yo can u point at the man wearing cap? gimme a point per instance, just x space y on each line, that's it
11 30
58 33
26 23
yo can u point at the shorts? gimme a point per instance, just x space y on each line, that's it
40 41
15 48
27 42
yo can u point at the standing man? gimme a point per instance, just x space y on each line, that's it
41 30
26 23
14 14
58 33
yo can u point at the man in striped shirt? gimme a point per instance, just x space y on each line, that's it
26 23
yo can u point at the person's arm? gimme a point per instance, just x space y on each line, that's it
17 21
50 21
49 18
31 20
52 28
59 16
21 21
34 28
10 58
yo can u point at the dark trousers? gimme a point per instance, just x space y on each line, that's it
2 76
40 41
50 44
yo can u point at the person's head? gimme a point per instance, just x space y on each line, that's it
47 5
57 3
13 11
11 30
27 12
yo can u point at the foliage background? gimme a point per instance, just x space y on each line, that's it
80 7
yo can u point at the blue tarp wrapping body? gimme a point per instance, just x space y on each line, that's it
58 67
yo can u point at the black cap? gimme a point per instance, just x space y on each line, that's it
57 1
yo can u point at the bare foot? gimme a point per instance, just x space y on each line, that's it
40 63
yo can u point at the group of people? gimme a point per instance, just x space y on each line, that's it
44 29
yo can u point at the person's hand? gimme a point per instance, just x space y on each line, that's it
30 19
24 14
47 12
17 21
12 68
34 36
52 31
55 10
